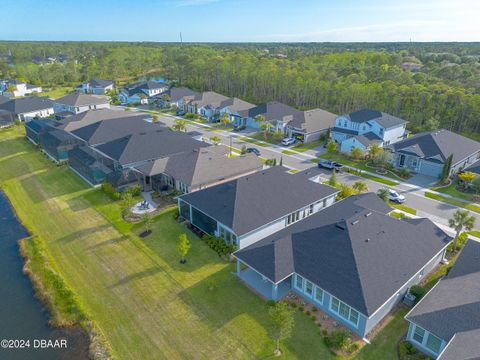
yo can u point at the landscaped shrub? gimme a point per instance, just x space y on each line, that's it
404 173
219 245
324 332
417 291
340 339
293 305
300 308
353 347
109 190
190 115
313 317
308 313
271 303
135 190
462 240
314 309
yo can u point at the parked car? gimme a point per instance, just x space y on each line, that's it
329 164
253 150
180 113
395 196
239 127
288 141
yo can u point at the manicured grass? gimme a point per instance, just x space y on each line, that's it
143 301
378 179
252 141
472 207
397 214
57 92
452 191
288 152
302 147
475 233
270 139
403 208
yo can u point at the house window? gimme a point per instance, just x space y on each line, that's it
344 311
299 282
325 203
311 209
309 288
433 343
418 334
318 295
381 132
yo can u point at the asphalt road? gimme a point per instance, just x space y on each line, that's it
437 211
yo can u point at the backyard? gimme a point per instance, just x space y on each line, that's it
135 290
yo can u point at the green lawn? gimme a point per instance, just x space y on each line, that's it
403 208
270 138
452 191
288 152
57 92
252 141
302 147
472 207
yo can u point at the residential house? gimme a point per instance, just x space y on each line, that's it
127 153
426 153
6 119
16 88
28 108
245 210
352 260
196 169
76 103
312 126
362 128
233 107
445 324
96 86
144 92
178 97
206 104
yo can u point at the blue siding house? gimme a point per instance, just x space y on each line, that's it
352 260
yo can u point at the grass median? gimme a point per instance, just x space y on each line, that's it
454 202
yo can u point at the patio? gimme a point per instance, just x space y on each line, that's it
264 287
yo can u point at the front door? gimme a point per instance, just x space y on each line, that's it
402 160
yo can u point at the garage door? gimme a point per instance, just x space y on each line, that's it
430 169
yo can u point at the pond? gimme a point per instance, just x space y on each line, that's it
22 316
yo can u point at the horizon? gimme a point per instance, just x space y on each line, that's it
268 21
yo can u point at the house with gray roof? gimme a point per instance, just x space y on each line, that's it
76 103
352 260
362 128
28 108
197 169
245 210
16 88
207 104
311 126
426 153
445 323
144 92
96 86
177 96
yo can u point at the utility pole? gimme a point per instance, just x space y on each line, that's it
181 40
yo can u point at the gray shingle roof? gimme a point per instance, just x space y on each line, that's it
475 167
351 249
236 105
27 104
368 138
79 99
92 116
274 110
99 83
252 201
314 120
210 98
203 166
106 130
384 119
152 145
453 305
464 346
177 94
438 145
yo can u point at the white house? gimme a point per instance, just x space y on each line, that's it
76 103
365 127
28 108
16 88
96 86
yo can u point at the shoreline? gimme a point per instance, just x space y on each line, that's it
65 315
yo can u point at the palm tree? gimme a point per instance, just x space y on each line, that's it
360 186
225 119
180 125
383 194
215 140
461 221
265 127
260 118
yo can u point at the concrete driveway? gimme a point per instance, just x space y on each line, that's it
423 181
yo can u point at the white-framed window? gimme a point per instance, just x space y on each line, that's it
418 334
344 311
308 288
433 343
299 282
318 295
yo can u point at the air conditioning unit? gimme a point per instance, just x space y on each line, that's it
409 299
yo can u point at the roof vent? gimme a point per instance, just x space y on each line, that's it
367 239
368 214
354 222
340 226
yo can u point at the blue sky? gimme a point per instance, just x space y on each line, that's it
241 20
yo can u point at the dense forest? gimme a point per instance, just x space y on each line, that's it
443 91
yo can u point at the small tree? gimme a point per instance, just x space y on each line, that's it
155 118
382 159
147 222
360 186
467 177
356 153
265 127
215 140
383 194
225 119
332 147
180 125
333 179
127 203
446 168
461 221
345 191
260 118
183 247
282 320
373 151
243 150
